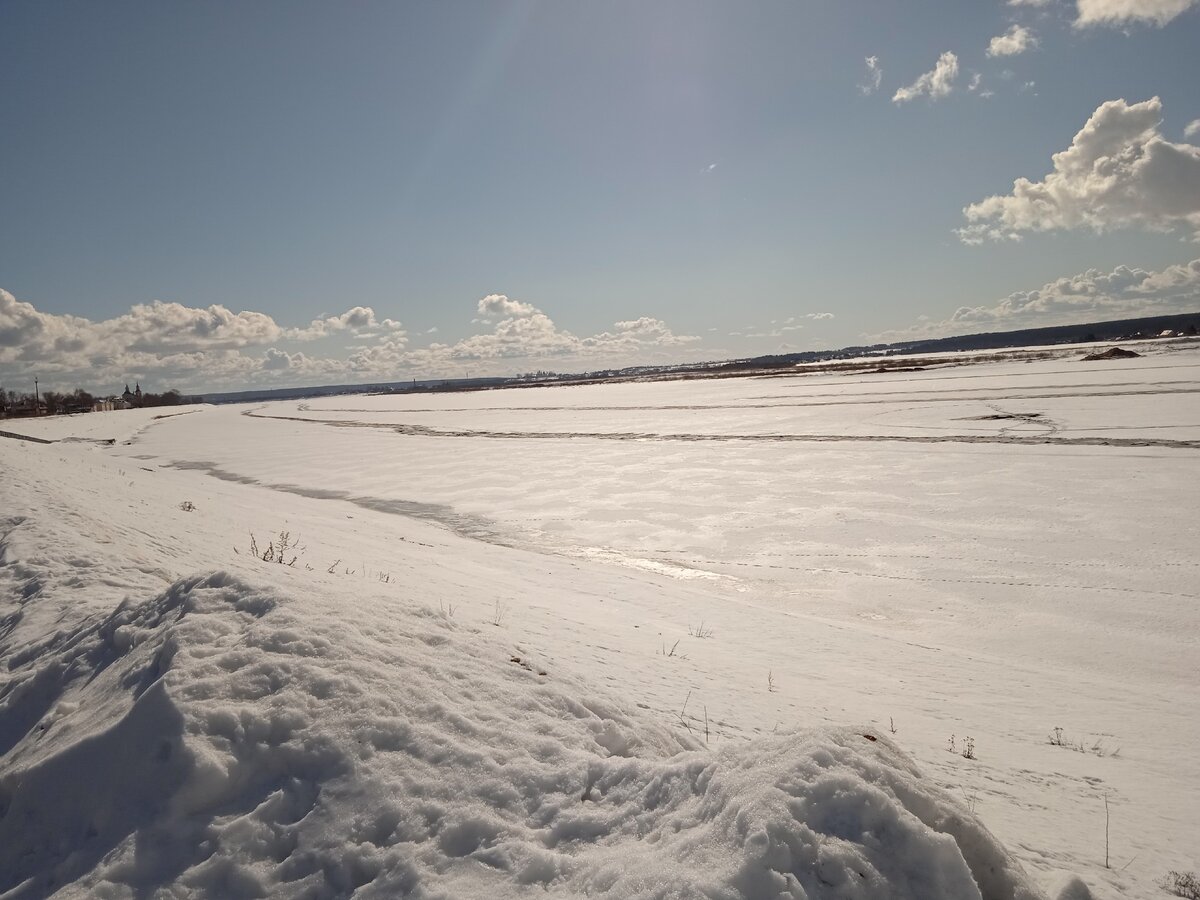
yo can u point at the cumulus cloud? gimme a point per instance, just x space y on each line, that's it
498 306
357 320
276 360
1192 128
387 357
934 84
1124 292
874 77
522 331
161 327
1123 12
154 330
1118 172
170 345
1016 40
23 329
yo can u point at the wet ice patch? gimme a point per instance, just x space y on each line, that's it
668 568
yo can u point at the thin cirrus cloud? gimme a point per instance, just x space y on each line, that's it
1016 40
1124 292
934 84
874 77
172 345
1119 172
781 328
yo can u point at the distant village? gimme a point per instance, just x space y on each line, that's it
16 405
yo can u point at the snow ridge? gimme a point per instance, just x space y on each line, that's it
222 737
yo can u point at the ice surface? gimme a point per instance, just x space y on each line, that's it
507 664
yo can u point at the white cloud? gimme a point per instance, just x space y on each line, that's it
1192 128
356 320
148 331
1124 292
1119 172
934 84
1121 12
779 329
1016 40
26 331
158 327
275 359
170 345
498 306
385 359
522 331
873 78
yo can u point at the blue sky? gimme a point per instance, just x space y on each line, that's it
214 195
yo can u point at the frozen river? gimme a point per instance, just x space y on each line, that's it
990 551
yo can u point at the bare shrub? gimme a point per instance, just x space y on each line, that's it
1181 884
284 550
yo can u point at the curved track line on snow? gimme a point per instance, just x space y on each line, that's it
463 524
939 579
894 397
24 437
936 557
426 431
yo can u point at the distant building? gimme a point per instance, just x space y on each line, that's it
27 408
132 399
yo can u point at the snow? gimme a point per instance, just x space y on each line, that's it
675 639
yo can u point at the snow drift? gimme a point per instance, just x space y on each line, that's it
236 739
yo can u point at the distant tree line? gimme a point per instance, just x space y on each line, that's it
168 398
79 400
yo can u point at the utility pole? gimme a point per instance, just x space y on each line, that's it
37 402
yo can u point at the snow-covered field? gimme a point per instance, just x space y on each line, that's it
717 638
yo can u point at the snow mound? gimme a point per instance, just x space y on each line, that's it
232 739
1111 353
1073 888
